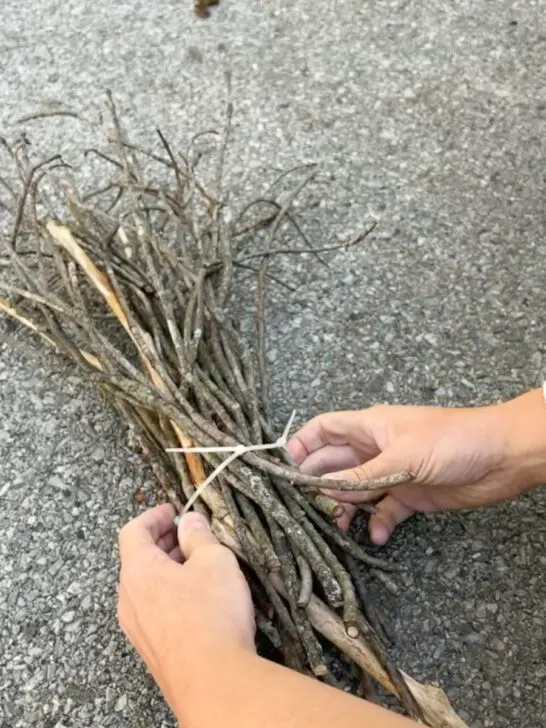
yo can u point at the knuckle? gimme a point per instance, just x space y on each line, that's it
360 473
217 558
123 533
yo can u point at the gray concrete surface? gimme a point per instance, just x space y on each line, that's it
429 114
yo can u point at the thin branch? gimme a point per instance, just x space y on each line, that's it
49 114
326 249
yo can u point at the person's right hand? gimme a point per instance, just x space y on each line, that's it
183 601
460 458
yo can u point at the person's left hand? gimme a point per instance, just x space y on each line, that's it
174 612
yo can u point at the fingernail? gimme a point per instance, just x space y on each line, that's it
379 534
194 522
335 476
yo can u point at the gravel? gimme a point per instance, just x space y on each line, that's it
430 116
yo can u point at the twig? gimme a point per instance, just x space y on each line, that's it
315 251
306 581
48 114
236 452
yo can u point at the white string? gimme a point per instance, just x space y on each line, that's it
236 451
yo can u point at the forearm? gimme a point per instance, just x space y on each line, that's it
524 426
242 690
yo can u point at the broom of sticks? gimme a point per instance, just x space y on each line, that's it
135 282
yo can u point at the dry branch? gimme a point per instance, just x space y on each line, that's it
136 283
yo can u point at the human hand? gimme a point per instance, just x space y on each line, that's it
176 613
460 458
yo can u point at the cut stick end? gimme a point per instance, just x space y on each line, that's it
352 631
320 670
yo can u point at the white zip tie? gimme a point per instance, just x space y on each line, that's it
236 451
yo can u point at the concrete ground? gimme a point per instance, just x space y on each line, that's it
431 115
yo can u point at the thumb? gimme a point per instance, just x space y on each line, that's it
193 533
385 464
390 513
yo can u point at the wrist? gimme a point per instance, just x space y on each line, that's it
523 422
216 671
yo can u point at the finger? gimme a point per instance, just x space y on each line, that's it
176 555
390 513
329 458
146 530
379 467
194 533
168 541
332 428
344 521
348 497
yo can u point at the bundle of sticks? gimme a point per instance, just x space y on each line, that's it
134 282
